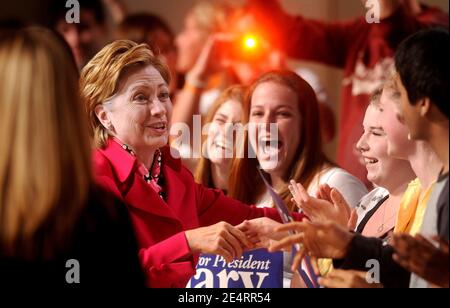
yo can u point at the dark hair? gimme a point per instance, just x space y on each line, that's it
58 10
140 27
422 64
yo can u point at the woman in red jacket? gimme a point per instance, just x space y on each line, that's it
125 90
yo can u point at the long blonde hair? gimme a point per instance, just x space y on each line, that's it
45 154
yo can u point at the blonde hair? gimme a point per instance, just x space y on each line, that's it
45 158
100 78
210 16
203 171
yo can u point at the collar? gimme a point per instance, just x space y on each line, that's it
124 164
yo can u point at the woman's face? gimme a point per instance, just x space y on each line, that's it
140 112
220 143
273 103
396 132
189 42
373 146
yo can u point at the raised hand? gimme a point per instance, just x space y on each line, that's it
418 255
320 240
329 206
221 239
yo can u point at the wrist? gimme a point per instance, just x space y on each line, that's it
346 245
190 241
195 80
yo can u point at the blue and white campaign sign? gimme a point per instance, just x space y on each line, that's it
255 269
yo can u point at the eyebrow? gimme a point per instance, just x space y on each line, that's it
145 85
278 107
376 128
218 114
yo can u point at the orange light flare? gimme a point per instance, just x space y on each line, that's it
250 42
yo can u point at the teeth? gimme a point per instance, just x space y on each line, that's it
159 126
371 161
220 144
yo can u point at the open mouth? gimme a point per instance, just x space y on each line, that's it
160 126
220 144
370 161
270 145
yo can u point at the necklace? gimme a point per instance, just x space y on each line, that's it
152 176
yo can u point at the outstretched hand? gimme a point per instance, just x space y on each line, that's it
221 239
261 231
320 240
418 255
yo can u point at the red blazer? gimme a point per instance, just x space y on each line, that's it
160 226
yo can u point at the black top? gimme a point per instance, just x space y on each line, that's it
443 209
102 242
369 215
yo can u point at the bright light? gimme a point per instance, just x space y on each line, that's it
250 42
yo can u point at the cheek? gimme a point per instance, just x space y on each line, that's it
214 131
379 149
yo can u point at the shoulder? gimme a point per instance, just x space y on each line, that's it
336 174
100 162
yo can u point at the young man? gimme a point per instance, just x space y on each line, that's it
422 65
88 36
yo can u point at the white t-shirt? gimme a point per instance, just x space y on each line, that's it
351 188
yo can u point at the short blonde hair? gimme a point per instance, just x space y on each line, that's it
101 76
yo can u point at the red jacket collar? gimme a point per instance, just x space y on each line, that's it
124 163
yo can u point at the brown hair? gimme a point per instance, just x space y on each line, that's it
374 99
203 170
100 78
245 182
45 160
141 28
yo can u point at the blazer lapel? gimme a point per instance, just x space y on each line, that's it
142 196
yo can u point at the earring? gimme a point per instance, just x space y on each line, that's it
409 137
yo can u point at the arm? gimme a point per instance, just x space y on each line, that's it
362 250
304 38
168 262
214 206
208 62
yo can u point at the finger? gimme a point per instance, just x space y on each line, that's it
239 235
401 261
286 242
297 261
292 226
340 202
353 220
424 242
325 191
332 282
224 253
303 193
244 226
235 244
315 265
293 185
